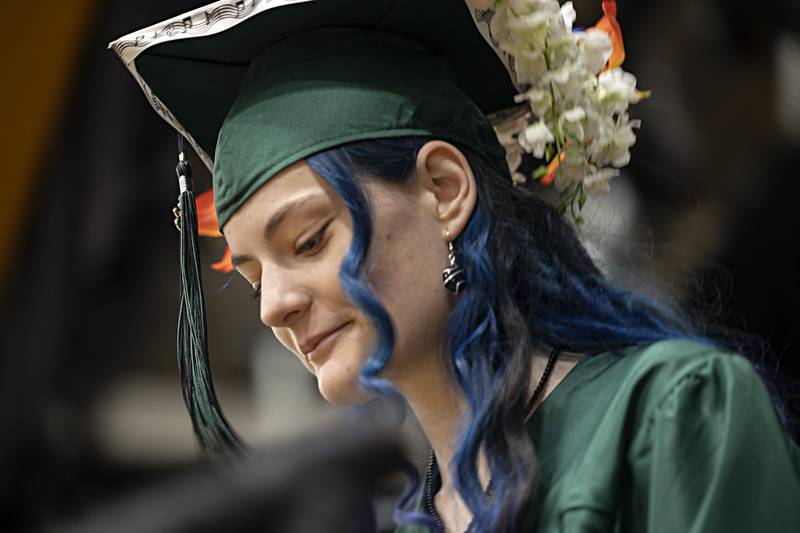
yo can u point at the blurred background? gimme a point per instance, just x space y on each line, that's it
90 405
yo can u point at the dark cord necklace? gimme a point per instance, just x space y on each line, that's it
431 470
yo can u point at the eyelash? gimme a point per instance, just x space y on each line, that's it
316 239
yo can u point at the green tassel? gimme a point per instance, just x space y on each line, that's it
214 434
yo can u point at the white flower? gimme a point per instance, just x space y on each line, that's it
530 66
571 170
526 7
576 114
558 24
597 180
621 141
568 14
596 124
562 50
530 32
524 25
571 123
569 82
540 100
535 138
596 48
613 144
616 89
481 4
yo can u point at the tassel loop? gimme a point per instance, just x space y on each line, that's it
184 172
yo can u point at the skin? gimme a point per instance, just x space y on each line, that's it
297 267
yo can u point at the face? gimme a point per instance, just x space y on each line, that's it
288 241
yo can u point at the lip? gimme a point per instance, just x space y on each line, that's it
323 346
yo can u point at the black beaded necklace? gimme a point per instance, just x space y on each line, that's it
431 470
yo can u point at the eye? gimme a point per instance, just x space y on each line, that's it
256 294
313 243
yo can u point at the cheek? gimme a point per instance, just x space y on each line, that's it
401 250
407 276
409 253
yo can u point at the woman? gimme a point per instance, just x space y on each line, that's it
367 199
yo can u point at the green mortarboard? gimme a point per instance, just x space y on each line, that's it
255 86
251 84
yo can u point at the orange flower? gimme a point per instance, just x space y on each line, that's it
610 25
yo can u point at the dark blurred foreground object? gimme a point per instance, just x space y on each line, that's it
323 483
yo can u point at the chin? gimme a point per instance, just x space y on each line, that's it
340 388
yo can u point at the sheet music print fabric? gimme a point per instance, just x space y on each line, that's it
206 20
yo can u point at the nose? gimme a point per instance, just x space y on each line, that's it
283 301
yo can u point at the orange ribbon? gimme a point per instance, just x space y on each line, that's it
548 178
224 265
609 24
208 226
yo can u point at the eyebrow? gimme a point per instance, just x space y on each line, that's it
276 219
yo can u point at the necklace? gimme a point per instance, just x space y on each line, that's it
431 470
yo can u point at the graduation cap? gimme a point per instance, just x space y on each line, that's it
257 85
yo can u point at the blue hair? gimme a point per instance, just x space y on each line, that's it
531 285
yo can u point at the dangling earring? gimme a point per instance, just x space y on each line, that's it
453 276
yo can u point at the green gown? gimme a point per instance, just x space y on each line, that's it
672 437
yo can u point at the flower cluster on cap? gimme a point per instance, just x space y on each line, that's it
577 96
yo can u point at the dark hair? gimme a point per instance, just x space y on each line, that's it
531 285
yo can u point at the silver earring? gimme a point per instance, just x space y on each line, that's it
453 276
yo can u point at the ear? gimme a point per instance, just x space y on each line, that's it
444 173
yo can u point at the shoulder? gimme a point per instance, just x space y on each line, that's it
611 399
623 392
681 395
645 375
619 389
658 431
678 357
681 377
680 417
666 370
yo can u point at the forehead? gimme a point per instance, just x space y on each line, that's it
294 183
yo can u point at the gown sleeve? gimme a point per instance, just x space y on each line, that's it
709 454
